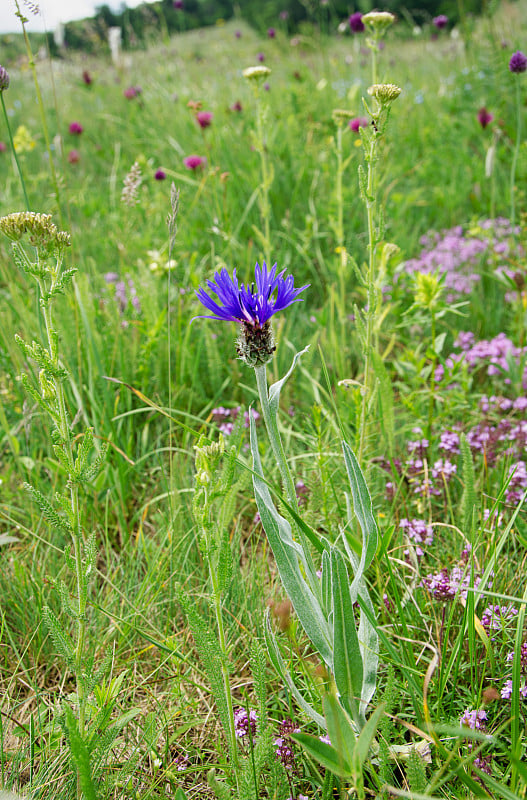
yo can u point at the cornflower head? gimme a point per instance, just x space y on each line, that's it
252 307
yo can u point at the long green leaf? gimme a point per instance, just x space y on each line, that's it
278 663
364 513
80 754
289 556
347 659
341 731
324 753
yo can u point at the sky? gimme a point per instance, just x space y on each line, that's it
52 12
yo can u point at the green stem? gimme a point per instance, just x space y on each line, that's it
432 378
340 209
516 151
370 288
31 62
264 202
64 428
11 142
224 671
280 458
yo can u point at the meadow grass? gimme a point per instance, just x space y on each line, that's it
443 453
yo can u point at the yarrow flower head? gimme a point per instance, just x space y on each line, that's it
385 93
256 73
252 307
378 21
518 62
4 79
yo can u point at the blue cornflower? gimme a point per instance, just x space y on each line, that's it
251 306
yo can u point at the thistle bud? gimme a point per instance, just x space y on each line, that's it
4 79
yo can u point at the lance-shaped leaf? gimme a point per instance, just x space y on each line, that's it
325 754
341 730
289 555
364 513
278 663
347 659
276 388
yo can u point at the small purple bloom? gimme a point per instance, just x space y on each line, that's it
484 117
76 128
87 78
254 305
194 162
4 79
160 175
238 34
440 21
132 91
284 15
178 4
359 122
237 106
244 723
261 57
3 147
518 62
355 22
271 33
204 118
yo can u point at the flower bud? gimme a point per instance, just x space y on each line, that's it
378 21
256 73
385 93
4 79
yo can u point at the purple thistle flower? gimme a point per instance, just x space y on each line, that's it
194 162
359 122
76 128
440 21
484 117
518 62
355 22
271 33
160 175
87 78
261 57
178 4
249 305
204 118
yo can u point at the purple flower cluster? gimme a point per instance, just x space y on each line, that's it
125 293
506 690
457 254
447 584
226 417
494 618
419 532
284 744
243 722
475 720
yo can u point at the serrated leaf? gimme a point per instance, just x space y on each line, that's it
60 639
80 754
48 512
